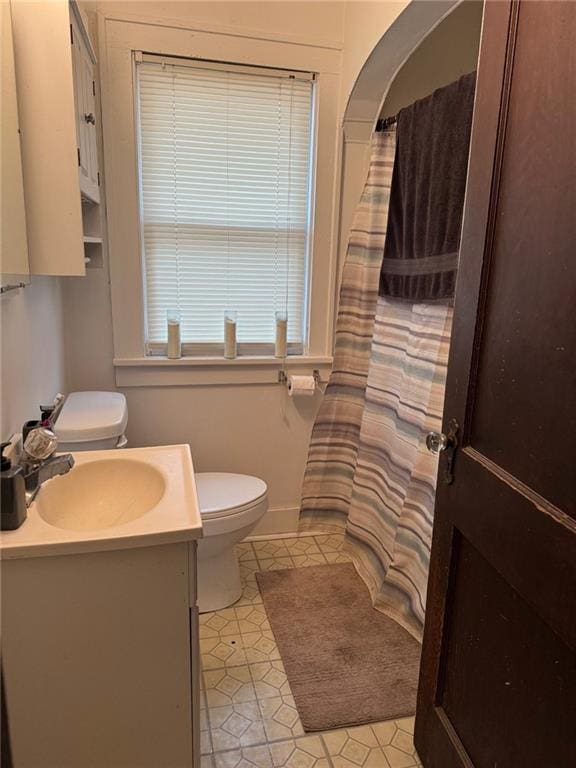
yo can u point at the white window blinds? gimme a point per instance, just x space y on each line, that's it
225 157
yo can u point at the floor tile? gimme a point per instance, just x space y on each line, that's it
206 761
353 747
250 592
314 558
205 743
252 618
245 551
397 758
396 740
230 685
337 557
270 548
270 679
218 623
249 757
330 542
276 563
205 740
236 725
248 568
385 731
303 545
402 741
281 719
222 651
406 724
305 752
259 646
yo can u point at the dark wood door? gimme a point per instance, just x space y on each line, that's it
498 677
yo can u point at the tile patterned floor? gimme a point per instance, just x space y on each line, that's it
248 717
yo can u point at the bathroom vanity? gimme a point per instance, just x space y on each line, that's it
99 619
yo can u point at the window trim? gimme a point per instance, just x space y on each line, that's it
118 41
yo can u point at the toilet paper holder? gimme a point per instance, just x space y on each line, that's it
283 378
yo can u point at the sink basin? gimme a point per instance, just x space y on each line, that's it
136 497
101 494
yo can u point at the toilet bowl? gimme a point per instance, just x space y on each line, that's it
230 505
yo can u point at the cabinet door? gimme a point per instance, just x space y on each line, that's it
47 117
85 115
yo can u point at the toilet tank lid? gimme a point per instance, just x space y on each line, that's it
221 492
88 416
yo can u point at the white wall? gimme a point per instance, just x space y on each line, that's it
33 364
364 25
315 22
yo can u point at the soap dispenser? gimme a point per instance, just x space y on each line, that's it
13 509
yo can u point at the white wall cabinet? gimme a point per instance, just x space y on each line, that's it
83 65
54 77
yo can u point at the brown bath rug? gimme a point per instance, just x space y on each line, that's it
347 664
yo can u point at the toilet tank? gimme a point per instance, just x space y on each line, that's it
92 421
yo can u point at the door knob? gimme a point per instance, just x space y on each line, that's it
438 442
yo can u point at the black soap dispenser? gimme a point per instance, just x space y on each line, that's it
13 509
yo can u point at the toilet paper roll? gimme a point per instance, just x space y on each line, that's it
301 386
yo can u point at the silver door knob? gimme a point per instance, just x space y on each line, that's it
436 442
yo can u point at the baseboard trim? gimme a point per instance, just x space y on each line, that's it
291 535
280 523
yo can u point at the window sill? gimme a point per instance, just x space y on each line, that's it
157 371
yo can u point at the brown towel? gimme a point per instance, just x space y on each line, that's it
427 195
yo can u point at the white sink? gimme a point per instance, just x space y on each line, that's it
116 499
101 494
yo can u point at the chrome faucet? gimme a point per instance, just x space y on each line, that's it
38 461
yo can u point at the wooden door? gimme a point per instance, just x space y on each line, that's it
498 677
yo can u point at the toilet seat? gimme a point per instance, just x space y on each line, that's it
224 494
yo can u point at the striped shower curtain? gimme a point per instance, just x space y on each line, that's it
329 475
368 471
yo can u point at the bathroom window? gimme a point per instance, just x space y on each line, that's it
225 158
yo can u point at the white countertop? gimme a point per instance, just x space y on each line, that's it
175 517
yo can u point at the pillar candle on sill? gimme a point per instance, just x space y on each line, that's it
281 334
174 346
229 334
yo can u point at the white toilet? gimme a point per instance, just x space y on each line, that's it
92 421
231 505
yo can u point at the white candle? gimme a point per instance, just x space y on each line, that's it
174 345
230 335
281 334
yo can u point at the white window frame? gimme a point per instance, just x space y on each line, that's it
120 40
254 349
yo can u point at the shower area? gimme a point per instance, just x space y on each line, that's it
370 473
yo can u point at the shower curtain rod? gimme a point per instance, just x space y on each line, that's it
385 122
